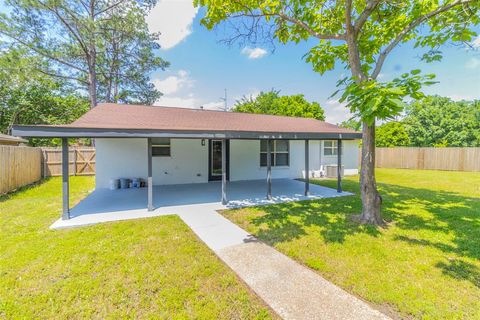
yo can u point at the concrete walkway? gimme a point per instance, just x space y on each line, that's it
290 289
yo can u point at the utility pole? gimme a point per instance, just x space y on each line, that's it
225 108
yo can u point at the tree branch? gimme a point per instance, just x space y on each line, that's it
42 53
412 25
72 32
108 8
369 8
348 16
56 75
312 32
298 22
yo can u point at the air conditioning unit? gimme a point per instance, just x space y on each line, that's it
331 170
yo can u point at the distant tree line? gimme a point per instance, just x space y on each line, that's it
271 102
431 122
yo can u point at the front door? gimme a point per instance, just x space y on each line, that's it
215 159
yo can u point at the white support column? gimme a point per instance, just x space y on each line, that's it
224 172
269 170
307 168
149 179
339 165
65 181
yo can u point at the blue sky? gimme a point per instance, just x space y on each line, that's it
201 67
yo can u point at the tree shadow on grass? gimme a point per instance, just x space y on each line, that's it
441 212
330 217
461 270
11 193
431 213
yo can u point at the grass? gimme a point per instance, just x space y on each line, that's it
425 264
151 268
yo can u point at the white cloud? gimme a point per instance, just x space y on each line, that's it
214 105
181 102
254 53
173 19
177 92
336 112
220 103
251 94
173 84
459 97
175 89
473 63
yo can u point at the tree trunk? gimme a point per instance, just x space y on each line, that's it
371 199
92 60
92 89
108 94
92 77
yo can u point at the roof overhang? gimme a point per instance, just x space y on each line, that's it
75 132
12 140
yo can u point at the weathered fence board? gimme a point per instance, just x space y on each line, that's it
81 161
452 159
19 166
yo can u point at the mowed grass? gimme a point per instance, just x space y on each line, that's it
425 264
151 268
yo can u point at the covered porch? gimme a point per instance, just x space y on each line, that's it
146 123
110 205
104 205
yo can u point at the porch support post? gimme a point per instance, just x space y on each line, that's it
307 168
149 179
339 165
224 172
65 181
269 170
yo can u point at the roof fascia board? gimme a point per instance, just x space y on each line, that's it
71 132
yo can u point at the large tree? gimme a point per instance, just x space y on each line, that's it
103 46
272 102
359 35
440 122
27 97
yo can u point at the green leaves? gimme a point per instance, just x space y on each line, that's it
439 121
391 134
324 56
28 97
272 102
372 100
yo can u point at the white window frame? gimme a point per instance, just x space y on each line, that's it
333 148
165 144
275 152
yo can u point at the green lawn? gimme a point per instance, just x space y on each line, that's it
151 268
424 264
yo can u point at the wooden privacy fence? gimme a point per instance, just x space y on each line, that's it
453 159
19 166
81 161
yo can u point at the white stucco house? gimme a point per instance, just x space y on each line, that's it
180 146
184 161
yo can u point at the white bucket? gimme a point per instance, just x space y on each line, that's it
114 184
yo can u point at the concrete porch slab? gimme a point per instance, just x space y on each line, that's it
104 205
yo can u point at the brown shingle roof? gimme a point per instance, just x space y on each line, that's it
6 139
117 116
